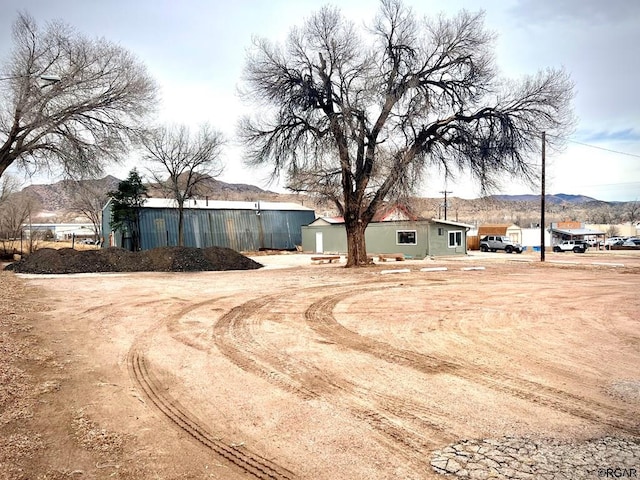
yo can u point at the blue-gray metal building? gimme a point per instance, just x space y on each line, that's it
242 226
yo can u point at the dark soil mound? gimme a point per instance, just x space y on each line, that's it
165 259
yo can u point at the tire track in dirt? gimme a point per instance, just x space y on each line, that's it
233 335
482 343
472 335
240 346
239 456
190 338
556 363
320 316
235 341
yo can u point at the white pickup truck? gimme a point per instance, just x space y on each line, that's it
577 246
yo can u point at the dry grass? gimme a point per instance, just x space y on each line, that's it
11 245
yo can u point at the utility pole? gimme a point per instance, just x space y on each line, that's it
542 180
445 201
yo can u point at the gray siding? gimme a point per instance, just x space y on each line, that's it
334 238
236 229
431 238
382 237
439 240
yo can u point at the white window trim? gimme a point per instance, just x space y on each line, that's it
449 238
415 236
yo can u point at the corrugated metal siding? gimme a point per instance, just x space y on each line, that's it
236 229
106 228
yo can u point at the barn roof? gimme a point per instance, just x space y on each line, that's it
225 205
327 221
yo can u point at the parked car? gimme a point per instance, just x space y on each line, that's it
613 241
632 242
576 246
494 243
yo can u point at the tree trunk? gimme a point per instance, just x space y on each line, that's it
180 227
356 245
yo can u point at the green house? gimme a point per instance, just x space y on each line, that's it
413 238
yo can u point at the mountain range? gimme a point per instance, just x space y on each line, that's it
56 203
556 198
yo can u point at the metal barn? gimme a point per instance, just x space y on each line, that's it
413 238
242 226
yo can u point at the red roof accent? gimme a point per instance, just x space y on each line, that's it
383 215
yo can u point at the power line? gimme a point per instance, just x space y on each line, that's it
620 184
597 147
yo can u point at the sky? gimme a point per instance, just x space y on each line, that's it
196 50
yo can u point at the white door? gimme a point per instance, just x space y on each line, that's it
319 247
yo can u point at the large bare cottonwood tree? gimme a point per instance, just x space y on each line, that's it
362 115
68 101
181 160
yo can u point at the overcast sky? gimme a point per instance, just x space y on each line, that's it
196 51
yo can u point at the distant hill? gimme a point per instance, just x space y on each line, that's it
557 198
56 204
57 197
56 201
210 187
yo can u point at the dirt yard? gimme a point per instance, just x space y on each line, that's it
496 367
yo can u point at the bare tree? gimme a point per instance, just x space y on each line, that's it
362 116
632 213
16 209
8 186
68 101
88 198
187 158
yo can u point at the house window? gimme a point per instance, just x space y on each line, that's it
440 231
455 239
405 237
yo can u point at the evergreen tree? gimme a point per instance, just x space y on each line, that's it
125 209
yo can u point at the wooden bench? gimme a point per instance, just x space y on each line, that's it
398 257
326 258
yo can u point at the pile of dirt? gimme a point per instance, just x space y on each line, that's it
163 259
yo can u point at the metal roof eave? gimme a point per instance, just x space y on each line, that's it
455 224
577 231
204 204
